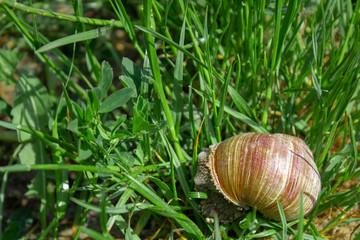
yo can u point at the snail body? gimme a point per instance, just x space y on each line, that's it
256 169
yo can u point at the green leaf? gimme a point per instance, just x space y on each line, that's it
133 71
140 122
217 227
28 153
250 222
283 218
280 36
197 195
5 107
84 150
241 104
22 216
114 210
105 81
12 231
89 114
262 234
116 100
8 125
8 61
93 101
190 227
74 126
223 96
316 85
95 235
129 82
34 153
31 105
103 215
78 37
178 81
357 234
300 228
78 111
163 187
117 124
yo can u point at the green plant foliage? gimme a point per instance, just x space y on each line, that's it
8 61
114 101
12 231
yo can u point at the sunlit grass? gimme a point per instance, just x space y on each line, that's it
193 74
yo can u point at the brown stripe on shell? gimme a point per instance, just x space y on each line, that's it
255 169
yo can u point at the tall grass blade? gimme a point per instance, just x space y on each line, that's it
283 219
300 228
178 80
79 37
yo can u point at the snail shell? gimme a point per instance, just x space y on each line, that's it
256 169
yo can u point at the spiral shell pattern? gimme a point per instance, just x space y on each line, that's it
256 169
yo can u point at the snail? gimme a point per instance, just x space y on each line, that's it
254 170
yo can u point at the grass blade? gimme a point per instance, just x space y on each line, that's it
223 95
158 81
178 80
83 36
167 40
193 231
283 219
60 16
123 16
300 228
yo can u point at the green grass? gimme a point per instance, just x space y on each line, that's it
194 74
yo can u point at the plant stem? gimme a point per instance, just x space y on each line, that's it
8 136
61 16
150 46
4 181
206 71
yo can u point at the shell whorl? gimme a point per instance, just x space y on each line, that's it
256 169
